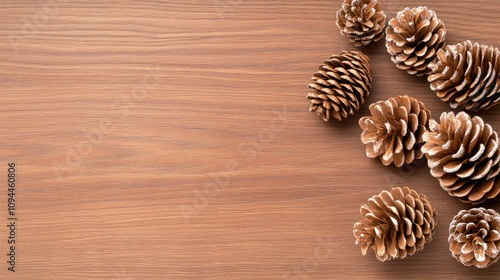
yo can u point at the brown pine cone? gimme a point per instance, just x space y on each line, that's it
467 75
362 21
413 39
395 224
464 155
395 129
341 85
475 237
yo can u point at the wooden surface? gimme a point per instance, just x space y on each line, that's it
172 140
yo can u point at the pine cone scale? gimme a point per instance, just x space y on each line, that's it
494 192
467 170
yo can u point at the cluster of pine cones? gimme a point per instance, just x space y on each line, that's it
462 152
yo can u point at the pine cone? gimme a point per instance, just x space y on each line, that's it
413 39
464 155
362 21
475 237
395 224
341 85
395 129
467 75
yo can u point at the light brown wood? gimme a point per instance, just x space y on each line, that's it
172 140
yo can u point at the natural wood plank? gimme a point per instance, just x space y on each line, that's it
105 171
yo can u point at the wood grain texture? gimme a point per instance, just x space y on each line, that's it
171 140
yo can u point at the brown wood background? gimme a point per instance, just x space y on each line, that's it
172 140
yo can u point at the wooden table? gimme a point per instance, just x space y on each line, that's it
172 140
